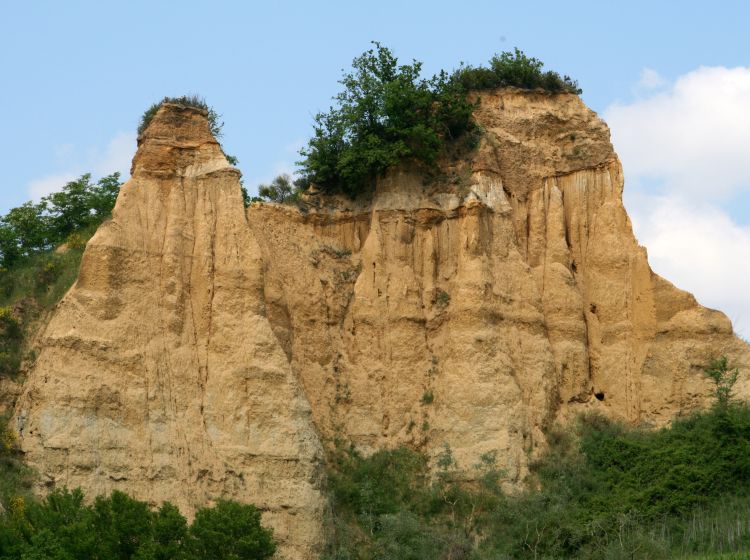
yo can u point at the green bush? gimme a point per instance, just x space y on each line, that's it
514 69
118 527
281 190
385 115
388 114
15 478
230 530
602 490
11 337
194 101
724 379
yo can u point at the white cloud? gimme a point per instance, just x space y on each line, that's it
694 136
699 248
650 80
115 157
685 154
118 155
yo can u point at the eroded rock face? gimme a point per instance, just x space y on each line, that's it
477 309
206 351
159 373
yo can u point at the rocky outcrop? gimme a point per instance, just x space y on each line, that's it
160 374
206 351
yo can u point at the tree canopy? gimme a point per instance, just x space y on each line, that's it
118 527
35 227
387 113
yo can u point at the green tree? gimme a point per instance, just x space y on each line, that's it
123 525
230 531
25 230
33 228
81 203
64 514
386 114
280 190
724 379
44 545
170 533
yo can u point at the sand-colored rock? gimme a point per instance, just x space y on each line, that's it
207 352
512 291
159 373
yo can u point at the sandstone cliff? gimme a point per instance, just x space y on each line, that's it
159 373
206 351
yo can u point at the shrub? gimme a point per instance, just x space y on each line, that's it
514 69
385 115
280 190
724 378
118 527
230 530
601 490
442 298
11 337
186 101
15 478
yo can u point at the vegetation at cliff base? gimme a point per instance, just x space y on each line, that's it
118 527
387 114
15 477
34 273
601 491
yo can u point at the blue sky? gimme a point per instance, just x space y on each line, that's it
77 75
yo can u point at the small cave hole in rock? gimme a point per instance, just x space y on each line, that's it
592 308
573 266
599 396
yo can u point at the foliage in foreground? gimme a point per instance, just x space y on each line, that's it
15 477
63 527
604 491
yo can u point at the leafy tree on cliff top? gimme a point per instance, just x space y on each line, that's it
386 114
